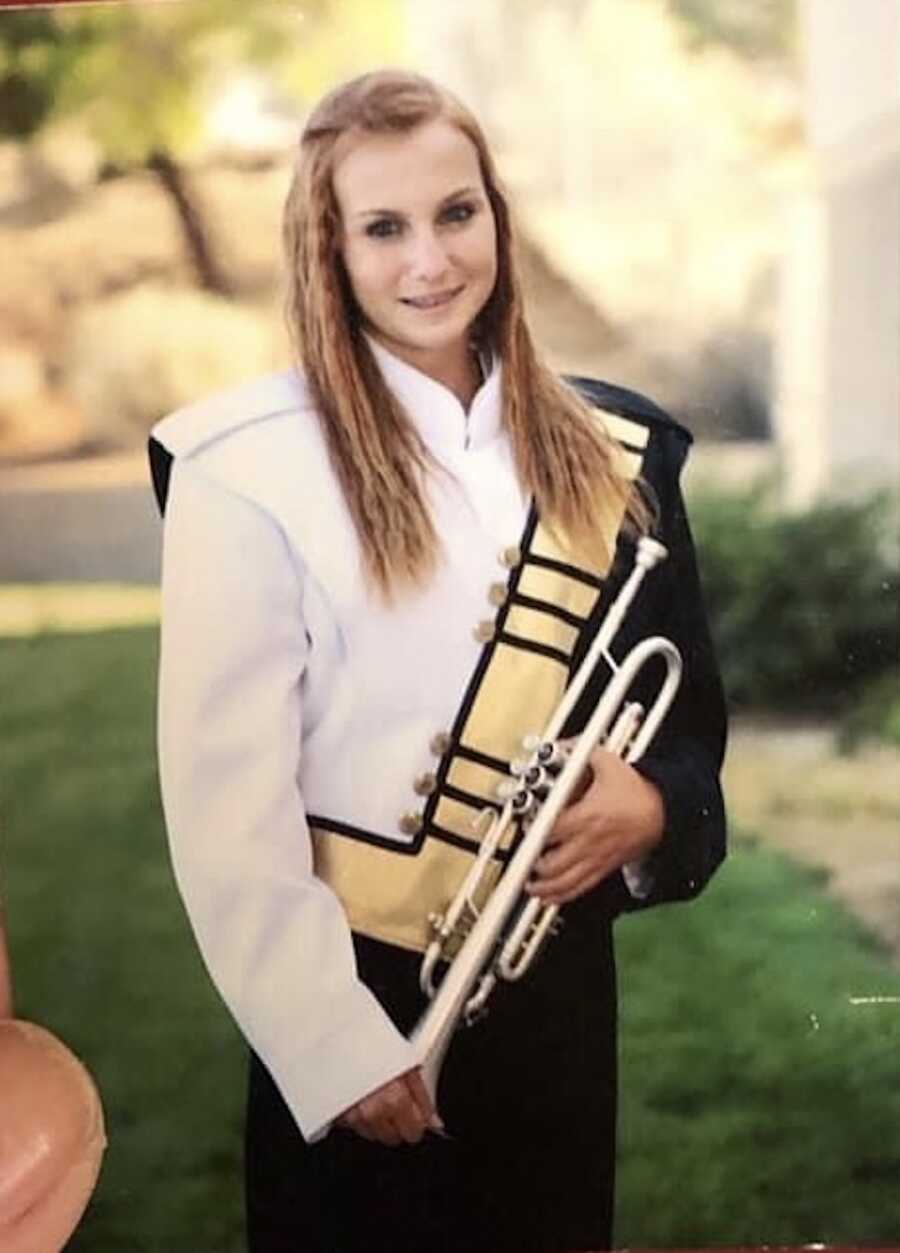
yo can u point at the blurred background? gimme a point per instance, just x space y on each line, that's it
708 196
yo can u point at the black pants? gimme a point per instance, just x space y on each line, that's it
528 1098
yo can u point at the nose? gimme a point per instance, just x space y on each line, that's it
427 256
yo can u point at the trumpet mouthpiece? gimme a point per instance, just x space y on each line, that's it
650 552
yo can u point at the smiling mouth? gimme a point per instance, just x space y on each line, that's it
431 302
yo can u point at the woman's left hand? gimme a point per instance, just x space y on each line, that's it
618 818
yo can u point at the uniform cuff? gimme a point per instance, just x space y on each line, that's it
363 1051
639 877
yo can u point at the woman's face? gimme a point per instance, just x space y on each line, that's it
418 240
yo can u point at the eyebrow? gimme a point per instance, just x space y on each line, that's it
396 213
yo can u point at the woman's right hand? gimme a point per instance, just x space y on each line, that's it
399 1112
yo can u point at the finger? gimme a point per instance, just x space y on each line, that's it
584 781
589 809
360 1127
562 893
400 1115
569 883
408 1119
551 885
349 1118
420 1095
383 1131
588 791
376 1122
562 857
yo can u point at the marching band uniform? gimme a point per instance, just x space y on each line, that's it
323 756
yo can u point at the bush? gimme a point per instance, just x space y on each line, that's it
141 353
803 605
875 715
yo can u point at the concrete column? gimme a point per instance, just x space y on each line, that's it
838 356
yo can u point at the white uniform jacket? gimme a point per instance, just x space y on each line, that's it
287 689
283 686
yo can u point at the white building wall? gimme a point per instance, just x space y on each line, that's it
838 357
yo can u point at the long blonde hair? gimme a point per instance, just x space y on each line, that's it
561 455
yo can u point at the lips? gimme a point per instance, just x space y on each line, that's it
435 300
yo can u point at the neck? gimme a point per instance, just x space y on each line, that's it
458 370
462 377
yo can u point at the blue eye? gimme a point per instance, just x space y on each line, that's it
460 212
383 228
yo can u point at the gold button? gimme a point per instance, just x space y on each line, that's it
511 556
497 594
411 823
439 743
425 784
484 632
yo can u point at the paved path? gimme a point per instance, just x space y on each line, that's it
94 519
90 520
788 786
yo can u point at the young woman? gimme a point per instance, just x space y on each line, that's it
380 570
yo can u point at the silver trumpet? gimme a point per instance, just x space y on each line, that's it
487 935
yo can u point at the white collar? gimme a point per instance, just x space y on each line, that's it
437 413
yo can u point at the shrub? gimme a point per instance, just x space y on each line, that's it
803 606
875 715
141 353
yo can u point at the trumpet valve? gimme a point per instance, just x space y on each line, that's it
548 753
522 801
506 789
438 924
560 756
540 752
533 777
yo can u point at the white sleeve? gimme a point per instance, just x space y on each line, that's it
274 937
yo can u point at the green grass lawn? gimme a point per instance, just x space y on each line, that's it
760 1104
101 952
760 1051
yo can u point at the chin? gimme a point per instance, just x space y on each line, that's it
442 334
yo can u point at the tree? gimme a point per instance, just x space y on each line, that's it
139 77
765 28
36 57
